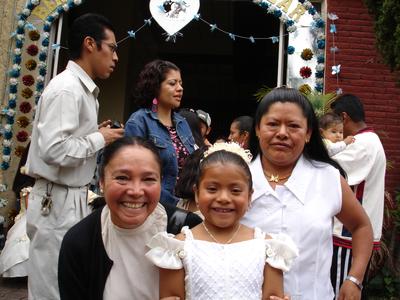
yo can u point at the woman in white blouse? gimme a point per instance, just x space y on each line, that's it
298 190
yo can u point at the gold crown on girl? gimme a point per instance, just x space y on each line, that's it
230 147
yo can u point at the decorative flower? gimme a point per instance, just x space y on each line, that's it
290 50
22 136
31 64
3 187
23 121
27 93
25 107
305 89
34 35
307 54
32 50
230 147
3 202
19 150
305 72
320 67
28 80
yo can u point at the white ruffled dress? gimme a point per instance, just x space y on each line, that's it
222 271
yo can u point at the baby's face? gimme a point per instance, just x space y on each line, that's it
334 133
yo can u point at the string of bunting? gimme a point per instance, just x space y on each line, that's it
334 49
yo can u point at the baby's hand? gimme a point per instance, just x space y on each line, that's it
349 139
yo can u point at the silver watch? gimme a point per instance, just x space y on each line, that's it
355 281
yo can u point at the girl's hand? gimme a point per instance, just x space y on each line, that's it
286 297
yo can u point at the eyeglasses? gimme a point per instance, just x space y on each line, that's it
113 47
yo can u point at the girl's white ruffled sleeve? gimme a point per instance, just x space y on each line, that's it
280 251
165 251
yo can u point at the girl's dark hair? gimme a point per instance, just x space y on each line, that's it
194 123
89 24
244 123
111 150
329 119
150 79
224 157
315 148
188 176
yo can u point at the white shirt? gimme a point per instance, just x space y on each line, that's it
365 164
303 208
334 148
65 136
132 276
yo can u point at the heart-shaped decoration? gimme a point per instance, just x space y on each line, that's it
173 15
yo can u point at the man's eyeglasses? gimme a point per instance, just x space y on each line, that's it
113 47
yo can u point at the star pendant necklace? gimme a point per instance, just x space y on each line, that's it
275 178
218 242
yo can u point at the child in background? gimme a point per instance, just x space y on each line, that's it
205 125
331 128
221 258
186 181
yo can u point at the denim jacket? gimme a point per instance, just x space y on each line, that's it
145 123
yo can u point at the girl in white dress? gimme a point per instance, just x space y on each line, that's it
221 258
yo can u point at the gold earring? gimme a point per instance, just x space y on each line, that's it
101 190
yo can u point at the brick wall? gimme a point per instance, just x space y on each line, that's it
363 74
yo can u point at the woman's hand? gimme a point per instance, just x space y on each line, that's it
349 291
170 298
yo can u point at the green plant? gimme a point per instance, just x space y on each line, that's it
384 271
387 29
320 102
261 92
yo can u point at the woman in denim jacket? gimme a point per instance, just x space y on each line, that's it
159 93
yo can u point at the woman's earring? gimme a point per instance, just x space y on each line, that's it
154 105
101 191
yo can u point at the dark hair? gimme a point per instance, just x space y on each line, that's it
112 149
329 119
315 148
351 105
150 79
244 123
194 123
89 24
188 176
224 157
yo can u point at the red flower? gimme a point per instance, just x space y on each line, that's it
28 80
22 136
32 50
25 107
305 72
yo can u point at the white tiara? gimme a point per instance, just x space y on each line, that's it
230 147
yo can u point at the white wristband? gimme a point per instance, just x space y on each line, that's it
355 281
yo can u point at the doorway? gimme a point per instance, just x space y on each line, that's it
220 75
